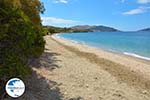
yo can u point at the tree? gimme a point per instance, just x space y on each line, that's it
20 37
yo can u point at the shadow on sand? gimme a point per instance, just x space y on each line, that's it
48 60
40 88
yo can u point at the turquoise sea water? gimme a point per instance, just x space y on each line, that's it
130 43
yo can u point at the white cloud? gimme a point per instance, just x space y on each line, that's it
136 11
138 1
61 1
53 20
143 1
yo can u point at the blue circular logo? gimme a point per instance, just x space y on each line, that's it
15 87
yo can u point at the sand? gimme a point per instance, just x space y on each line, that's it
78 72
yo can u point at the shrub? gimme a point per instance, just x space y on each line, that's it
19 42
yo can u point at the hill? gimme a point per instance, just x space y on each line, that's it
95 28
78 28
53 29
146 29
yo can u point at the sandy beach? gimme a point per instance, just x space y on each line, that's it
77 72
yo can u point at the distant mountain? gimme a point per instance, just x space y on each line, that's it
53 30
81 27
103 29
95 28
146 29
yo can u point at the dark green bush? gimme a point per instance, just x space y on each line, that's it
19 42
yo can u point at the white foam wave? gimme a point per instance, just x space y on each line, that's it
56 35
135 55
74 41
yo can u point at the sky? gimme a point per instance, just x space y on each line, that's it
125 15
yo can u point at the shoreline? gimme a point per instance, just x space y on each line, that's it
132 70
129 54
124 54
79 72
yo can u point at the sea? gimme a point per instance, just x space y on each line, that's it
135 44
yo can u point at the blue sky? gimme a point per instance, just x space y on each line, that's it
126 15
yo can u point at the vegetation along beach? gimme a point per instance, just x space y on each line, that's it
75 49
